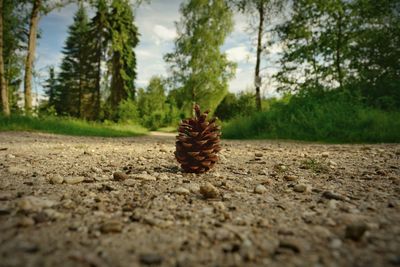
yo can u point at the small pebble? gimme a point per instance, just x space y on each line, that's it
73 179
56 179
355 231
120 176
209 191
25 222
5 196
260 189
331 195
150 259
299 188
181 191
145 177
113 226
325 154
290 178
258 155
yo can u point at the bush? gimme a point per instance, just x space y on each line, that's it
329 116
127 111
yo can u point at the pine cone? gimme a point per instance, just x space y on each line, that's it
197 143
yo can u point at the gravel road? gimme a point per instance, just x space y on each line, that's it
84 201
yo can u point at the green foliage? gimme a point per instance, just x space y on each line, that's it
343 44
155 110
197 65
76 85
99 38
51 90
233 105
124 38
330 117
14 39
128 111
68 126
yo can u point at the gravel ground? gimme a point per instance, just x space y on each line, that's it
84 201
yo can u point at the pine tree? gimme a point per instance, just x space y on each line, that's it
197 64
75 78
124 38
99 37
51 89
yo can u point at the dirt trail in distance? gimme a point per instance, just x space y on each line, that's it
276 204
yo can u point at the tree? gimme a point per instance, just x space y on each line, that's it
124 38
76 85
99 37
347 45
151 103
33 26
3 82
375 51
263 9
51 89
197 64
38 7
15 39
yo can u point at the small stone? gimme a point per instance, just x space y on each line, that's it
335 243
120 176
258 155
56 179
331 195
4 196
10 156
290 178
150 258
34 204
17 170
299 188
181 191
25 222
112 226
53 214
96 170
194 188
162 176
293 245
325 154
145 177
355 231
209 191
73 179
260 189
28 247
5 211
322 231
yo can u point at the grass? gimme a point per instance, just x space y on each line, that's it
331 117
168 129
68 126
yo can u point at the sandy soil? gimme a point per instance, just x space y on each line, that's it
266 203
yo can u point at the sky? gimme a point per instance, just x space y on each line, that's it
156 24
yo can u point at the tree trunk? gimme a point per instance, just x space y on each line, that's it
33 26
3 82
338 50
257 78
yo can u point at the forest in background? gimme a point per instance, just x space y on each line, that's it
339 77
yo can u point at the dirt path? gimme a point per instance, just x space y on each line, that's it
276 204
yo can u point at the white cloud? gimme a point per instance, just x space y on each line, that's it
239 54
164 33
